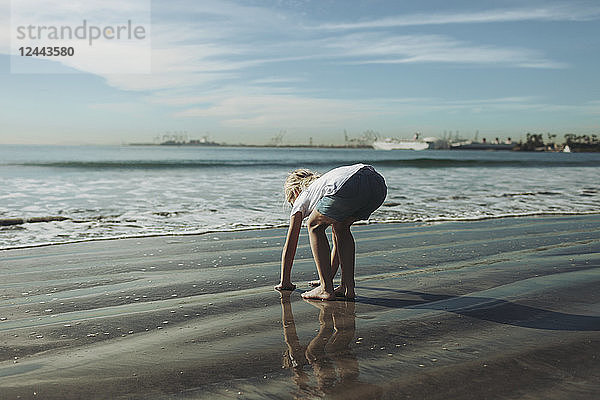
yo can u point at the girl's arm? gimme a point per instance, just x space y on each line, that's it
289 251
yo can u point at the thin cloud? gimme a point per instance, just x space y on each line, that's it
377 48
236 108
215 44
220 41
276 80
247 110
4 31
551 13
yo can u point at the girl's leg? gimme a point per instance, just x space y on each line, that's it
335 255
317 223
347 252
335 261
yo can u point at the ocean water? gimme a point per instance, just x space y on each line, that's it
55 194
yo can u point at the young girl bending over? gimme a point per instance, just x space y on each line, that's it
339 198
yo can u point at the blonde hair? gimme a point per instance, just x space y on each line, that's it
296 182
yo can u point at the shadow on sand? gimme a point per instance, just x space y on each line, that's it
489 309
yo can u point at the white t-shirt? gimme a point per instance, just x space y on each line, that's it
327 185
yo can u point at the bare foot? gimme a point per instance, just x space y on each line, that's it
318 293
285 286
314 283
343 292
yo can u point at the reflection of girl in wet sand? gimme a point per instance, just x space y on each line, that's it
334 364
339 198
294 357
330 348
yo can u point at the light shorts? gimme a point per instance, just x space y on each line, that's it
358 197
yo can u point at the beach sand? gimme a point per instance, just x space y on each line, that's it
493 309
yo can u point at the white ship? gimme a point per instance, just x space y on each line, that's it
404 144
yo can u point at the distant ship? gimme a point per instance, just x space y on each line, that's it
404 144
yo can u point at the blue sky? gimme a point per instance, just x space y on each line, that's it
242 71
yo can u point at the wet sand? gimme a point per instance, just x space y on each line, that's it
495 309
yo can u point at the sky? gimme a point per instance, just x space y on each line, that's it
247 71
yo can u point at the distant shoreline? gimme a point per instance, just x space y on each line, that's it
329 146
335 146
